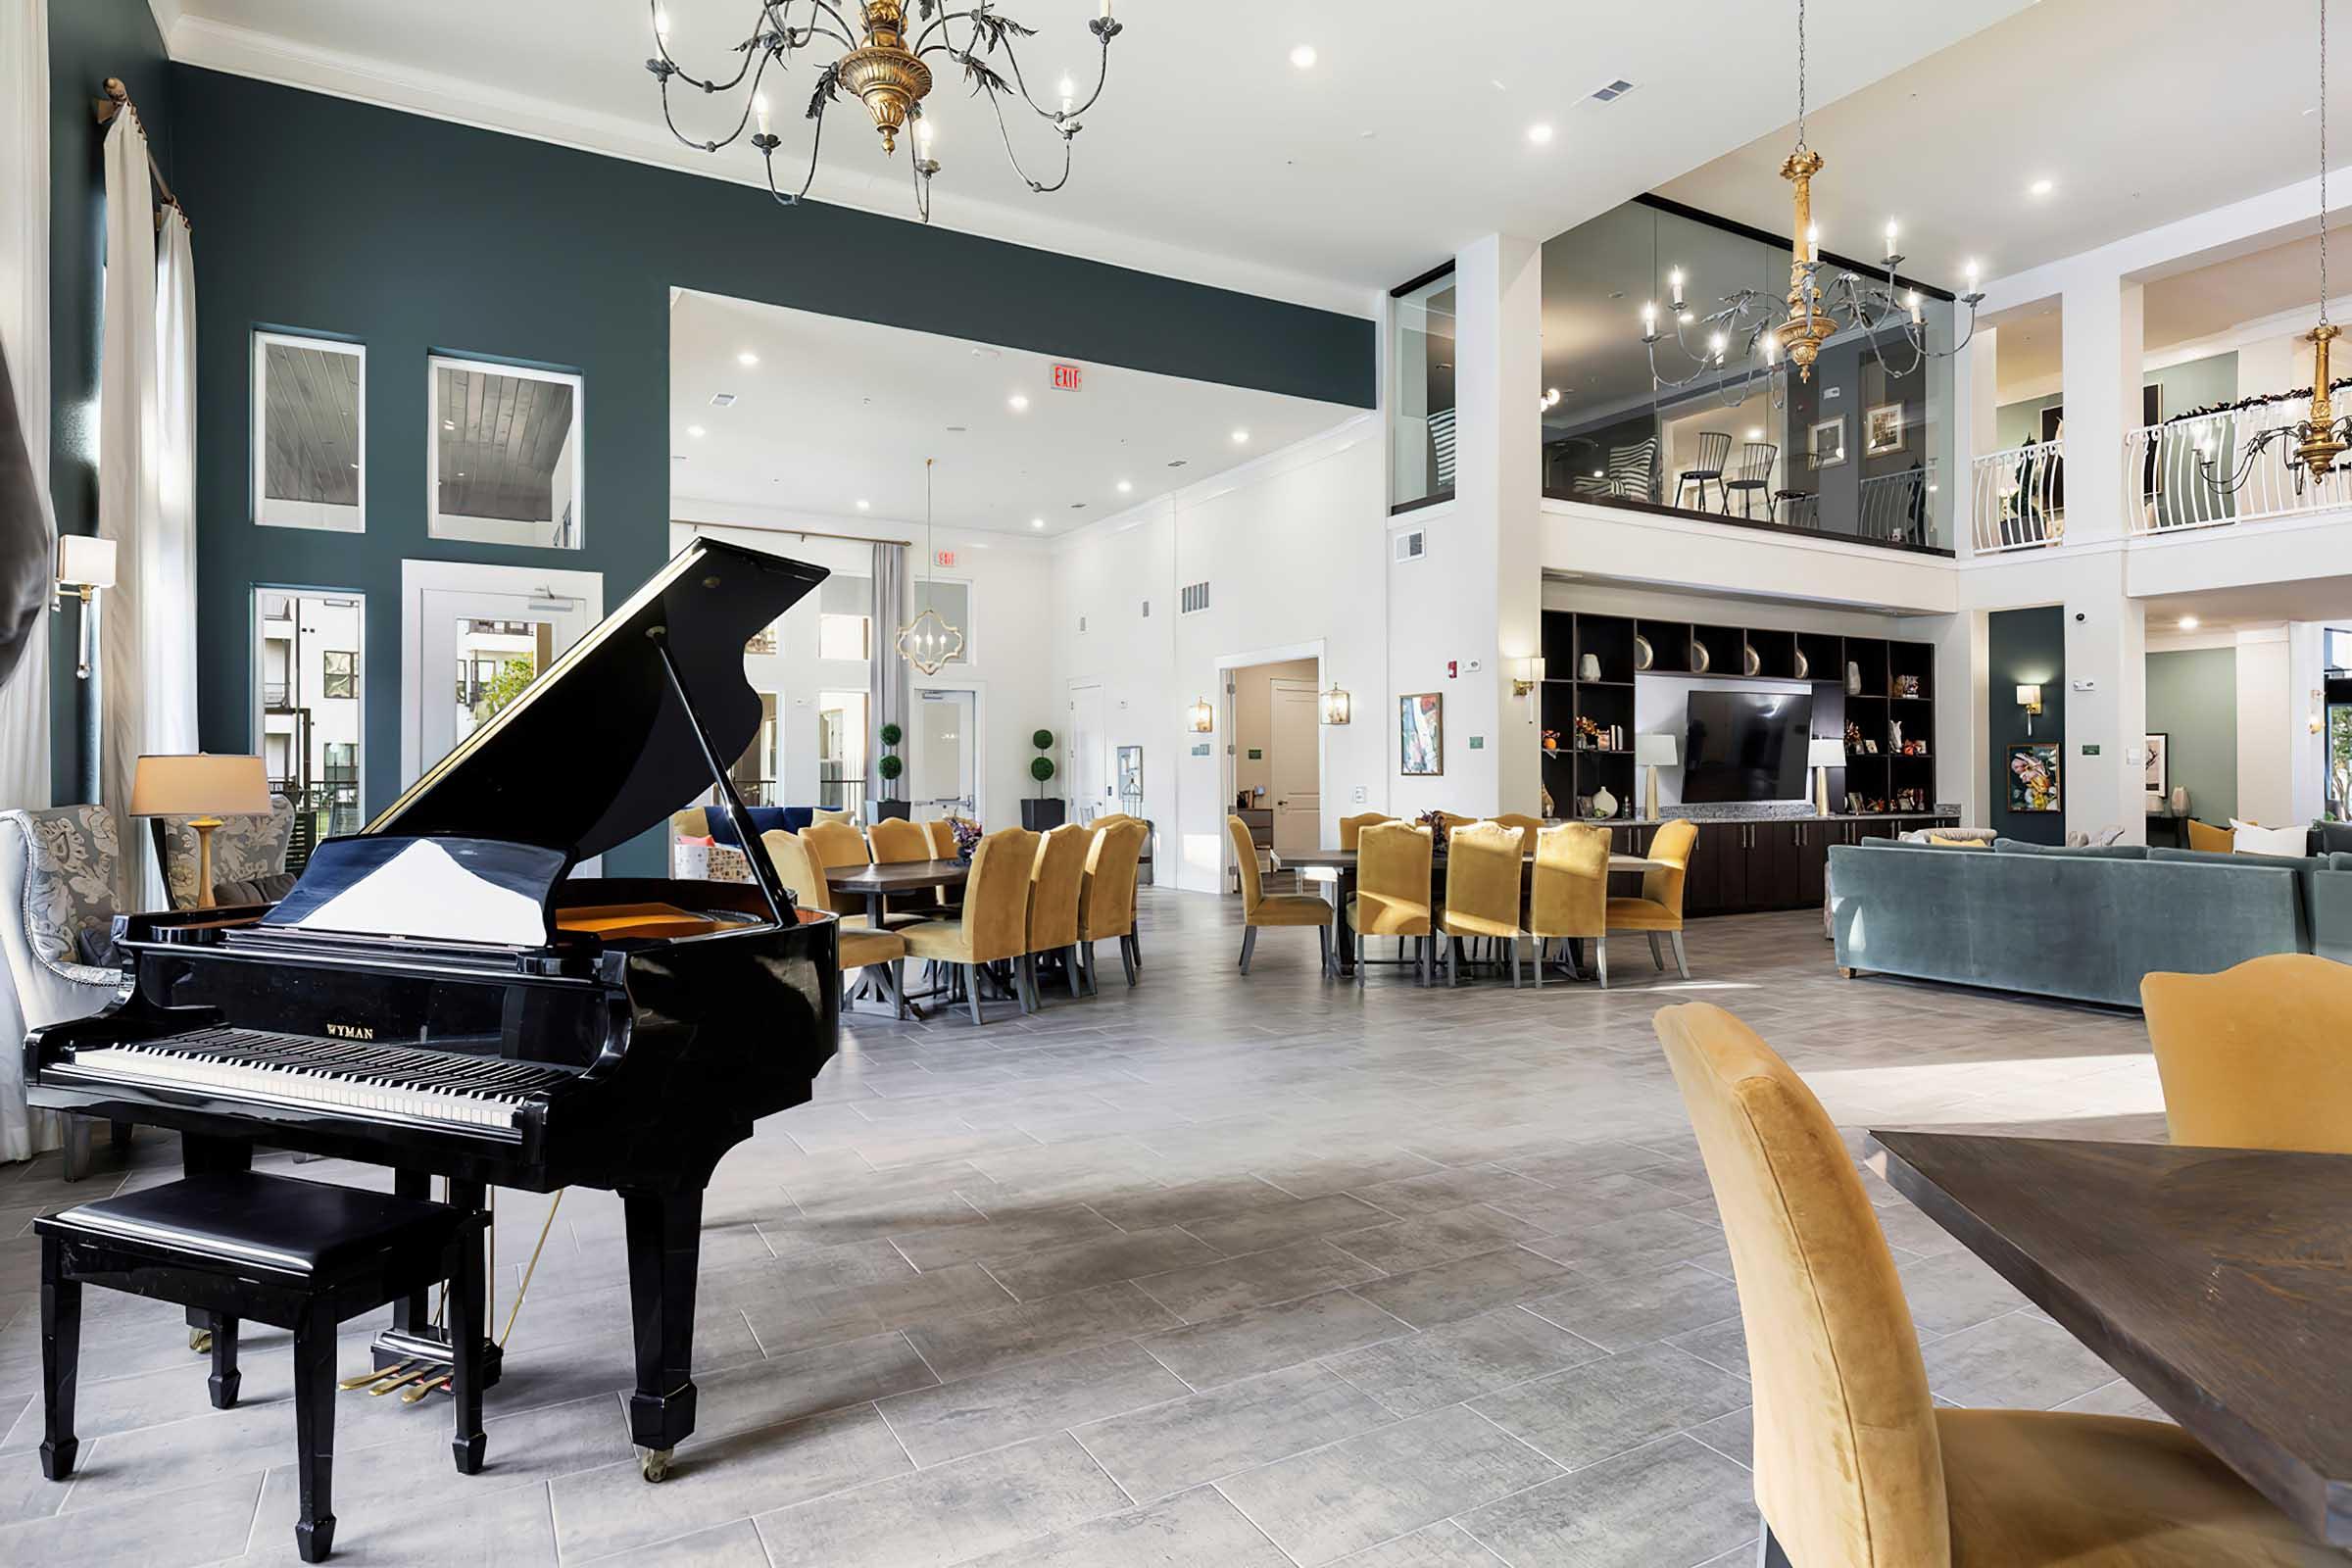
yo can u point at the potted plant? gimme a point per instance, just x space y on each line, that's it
1045 812
890 764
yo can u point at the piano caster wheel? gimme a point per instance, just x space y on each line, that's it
653 1463
200 1341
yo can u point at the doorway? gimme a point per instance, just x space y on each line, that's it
1277 755
472 639
943 753
1091 786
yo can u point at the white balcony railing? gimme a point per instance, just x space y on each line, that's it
2017 498
2180 473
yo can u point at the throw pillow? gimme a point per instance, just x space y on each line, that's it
1957 844
2248 838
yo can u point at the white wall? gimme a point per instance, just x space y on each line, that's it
1009 638
1291 548
2265 747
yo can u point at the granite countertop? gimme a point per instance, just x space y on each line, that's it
1791 816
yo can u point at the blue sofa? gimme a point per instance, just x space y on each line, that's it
2081 924
764 820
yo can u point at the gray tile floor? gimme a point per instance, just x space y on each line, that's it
1215 1271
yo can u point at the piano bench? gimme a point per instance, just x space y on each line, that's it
296 1254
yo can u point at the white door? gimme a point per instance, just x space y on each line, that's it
943 753
1295 769
476 650
1090 783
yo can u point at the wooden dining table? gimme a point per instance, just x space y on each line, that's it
1336 867
2218 1282
875 884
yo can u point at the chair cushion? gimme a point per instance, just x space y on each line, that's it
860 948
1642 914
245 1219
944 939
76 860
1394 922
2034 1488
1290 909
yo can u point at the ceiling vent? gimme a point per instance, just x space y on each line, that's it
1196 599
723 399
1613 91
1410 545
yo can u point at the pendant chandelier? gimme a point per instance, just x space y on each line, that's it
1770 330
886 70
929 642
2309 446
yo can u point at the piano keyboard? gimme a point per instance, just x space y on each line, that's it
362 1079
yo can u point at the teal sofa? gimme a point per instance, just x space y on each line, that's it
2083 925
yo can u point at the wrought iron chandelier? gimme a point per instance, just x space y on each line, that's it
2311 445
886 70
1769 328
929 641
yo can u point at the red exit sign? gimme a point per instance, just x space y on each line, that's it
944 558
1069 378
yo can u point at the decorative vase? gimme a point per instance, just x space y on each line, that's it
1804 667
2179 800
1548 803
1603 802
1699 657
1588 668
1644 654
1750 662
1854 678
1895 735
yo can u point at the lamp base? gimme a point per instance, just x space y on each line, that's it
1821 791
204 827
1649 804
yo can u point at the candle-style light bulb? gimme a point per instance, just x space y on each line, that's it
1769 344
1069 93
1970 271
1106 10
661 23
1813 242
1715 345
1890 233
1649 319
760 111
1917 315
1674 280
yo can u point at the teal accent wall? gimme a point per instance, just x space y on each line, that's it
90 40
2191 384
414 236
2024 648
2192 701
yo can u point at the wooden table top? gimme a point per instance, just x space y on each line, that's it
900 876
1346 861
2218 1281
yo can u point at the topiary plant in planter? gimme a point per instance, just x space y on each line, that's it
1046 811
890 766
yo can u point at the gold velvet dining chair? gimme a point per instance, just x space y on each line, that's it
1352 828
1392 894
994 925
1261 909
1855 1464
1568 893
1482 882
861 947
896 841
1658 911
1056 879
839 847
2257 1056
2211 839
1106 898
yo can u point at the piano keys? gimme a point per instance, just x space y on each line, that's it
440 995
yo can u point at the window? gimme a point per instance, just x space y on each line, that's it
310 434
954 602
1421 338
340 673
507 459
308 708
342 759
842 637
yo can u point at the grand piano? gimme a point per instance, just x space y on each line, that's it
438 994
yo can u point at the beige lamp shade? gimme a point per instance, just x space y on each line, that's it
1654 750
198 786
85 560
1826 751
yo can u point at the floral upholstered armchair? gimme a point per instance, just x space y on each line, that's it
249 856
58 869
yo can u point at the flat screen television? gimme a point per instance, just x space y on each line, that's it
1746 746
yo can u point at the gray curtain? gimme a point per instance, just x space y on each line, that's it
25 539
887 683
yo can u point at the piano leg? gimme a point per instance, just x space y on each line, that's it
666 1238
412 1314
203 1155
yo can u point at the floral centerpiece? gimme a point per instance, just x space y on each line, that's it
1551 740
1432 819
1590 734
967 837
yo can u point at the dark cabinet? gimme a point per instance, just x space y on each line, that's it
1747 867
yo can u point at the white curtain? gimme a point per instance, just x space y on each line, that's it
145 407
25 333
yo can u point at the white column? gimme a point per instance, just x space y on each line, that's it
2307 703
2268 716
2106 699
2101 338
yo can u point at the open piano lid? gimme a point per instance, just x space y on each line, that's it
600 747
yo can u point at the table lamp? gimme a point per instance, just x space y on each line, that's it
1825 753
1654 751
205 789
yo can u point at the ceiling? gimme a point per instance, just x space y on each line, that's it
2269 603
2122 107
835 412
1212 156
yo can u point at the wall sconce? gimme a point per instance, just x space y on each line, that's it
1531 671
2319 700
85 563
2029 698
1335 705
1204 717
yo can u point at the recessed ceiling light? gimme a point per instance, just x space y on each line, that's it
1756 434
1018 403
1241 438
2042 187
865 505
696 431
1539 134
723 399
747 359
1126 485
2188 623
1303 57
1037 523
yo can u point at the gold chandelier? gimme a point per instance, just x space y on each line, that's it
886 70
929 642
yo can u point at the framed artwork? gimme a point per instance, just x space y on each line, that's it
1421 734
309 433
1131 773
1882 430
1825 443
2160 762
2034 778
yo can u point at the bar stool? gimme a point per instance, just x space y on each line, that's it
296 1254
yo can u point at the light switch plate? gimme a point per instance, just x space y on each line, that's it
1360 794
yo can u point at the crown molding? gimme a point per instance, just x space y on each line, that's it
267 56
